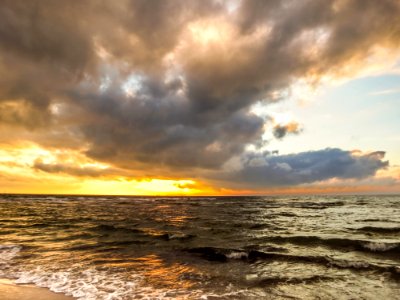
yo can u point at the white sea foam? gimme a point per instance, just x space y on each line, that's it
235 294
237 255
94 284
380 246
86 284
349 264
8 252
90 284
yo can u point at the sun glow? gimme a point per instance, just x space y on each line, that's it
28 168
206 33
152 186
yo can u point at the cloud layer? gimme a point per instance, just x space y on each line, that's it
305 167
167 87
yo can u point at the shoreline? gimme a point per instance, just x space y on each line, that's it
9 290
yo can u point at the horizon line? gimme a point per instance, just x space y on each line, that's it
206 196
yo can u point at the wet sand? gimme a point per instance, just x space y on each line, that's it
11 291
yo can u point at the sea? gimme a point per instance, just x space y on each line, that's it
272 247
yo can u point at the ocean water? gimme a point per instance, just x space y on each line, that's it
309 247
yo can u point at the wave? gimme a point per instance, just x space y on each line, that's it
8 252
106 237
39 225
72 237
179 236
94 283
316 259
143 233
377 220
339 243
274 280
23 226
112 228
90 284
262 226
212 254
224 255
10 225
315 205
5 232
286 214
381 247
375 229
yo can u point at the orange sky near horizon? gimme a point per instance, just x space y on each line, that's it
18 175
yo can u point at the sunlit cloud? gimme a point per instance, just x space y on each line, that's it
181 93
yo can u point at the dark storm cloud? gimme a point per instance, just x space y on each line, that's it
165 132
189 99
305 167
46 31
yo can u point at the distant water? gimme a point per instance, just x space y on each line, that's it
319 247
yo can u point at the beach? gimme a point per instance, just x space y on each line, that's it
11 291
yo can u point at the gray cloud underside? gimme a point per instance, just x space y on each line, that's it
74 170
304 167
76 55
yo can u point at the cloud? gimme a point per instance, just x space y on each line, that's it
72 169
304 168
281 131
385 92
167 87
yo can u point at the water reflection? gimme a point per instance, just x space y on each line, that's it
231 248
170 214
161 274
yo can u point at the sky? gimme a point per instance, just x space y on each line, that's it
201 97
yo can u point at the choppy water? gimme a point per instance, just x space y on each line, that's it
319 247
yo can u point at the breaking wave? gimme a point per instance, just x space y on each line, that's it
339 243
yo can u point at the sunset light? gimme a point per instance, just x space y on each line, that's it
213 97
199 149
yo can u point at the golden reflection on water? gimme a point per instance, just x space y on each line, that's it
152 231
170 215
179 221
161 274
